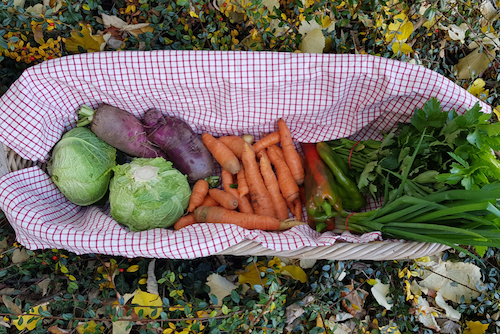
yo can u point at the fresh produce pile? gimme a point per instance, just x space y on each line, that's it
435 179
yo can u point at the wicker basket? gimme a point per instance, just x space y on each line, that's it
376 251
323 96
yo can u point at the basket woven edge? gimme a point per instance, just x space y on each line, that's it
4 167
375 251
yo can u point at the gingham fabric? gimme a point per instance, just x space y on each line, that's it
321 97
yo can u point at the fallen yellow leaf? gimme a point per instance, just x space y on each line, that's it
477 88
475 327
496 110
403 47
133 268
26 322
86 327
88 42
401 29
146 299
475 62
295 272
251 273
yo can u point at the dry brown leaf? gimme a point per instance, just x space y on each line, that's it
19 255
220 287
57 330
44 286
380 292
36 10
3 244
313 42
444 278
37 35
357 300
10 304
151 283
113 21
475 61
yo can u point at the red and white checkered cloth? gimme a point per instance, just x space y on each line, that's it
321 97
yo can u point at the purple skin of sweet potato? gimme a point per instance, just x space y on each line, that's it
183 147
123 131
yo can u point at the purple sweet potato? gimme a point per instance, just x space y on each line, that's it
120 129
183 147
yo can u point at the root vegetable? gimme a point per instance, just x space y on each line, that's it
183 147
120 129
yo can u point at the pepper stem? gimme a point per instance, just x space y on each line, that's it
328 208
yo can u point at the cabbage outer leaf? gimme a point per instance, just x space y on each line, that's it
156 201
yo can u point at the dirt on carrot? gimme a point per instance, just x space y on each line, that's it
224 156
225 199
234 143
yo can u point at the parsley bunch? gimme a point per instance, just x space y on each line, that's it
438 150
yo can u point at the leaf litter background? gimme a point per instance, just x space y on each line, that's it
58 292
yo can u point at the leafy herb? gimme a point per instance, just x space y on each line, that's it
451 151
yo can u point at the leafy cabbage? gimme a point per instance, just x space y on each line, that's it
81 166
148 193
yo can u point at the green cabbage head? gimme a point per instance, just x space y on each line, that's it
148 193
80 166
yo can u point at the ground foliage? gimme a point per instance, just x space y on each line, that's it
54 291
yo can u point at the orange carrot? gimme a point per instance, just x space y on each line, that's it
185 221
243 203
259 195
245 220
279 150
288 186
224 156
265 142
200 190
226 180
292 157
298 208
242 182
209 201
273 186
291 206
223 198
234 143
